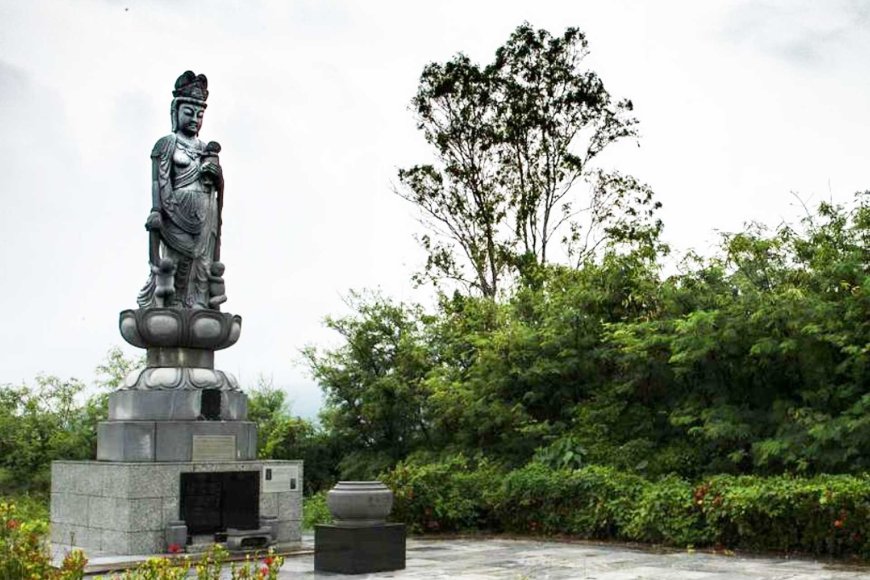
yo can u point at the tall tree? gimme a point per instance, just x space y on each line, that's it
460 199
511 140
555 119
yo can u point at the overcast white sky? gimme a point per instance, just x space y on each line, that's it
740 103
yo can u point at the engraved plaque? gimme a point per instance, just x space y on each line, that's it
280 478
143 445
214 448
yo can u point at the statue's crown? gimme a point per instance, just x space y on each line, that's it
191 86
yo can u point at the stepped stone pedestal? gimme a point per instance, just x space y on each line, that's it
176 459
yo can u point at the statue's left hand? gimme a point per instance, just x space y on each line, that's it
214 170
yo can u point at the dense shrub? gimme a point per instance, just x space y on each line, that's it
451 495
593 502
24 553
821 515
211 565
315 511
666 513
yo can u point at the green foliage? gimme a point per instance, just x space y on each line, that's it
211 565
23 551
564 453
593 502
37 425
374 385
51 420
29 506
315 511
821 515
666 513
159 569
268 408
112 371
280 435
449 495
511 139
754 360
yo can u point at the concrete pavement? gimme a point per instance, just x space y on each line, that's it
497 558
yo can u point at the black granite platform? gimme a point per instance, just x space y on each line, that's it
359 550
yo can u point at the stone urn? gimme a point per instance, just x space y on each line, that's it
359 503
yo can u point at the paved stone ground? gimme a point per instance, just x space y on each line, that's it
480 559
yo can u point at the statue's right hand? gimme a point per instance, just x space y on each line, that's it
154 222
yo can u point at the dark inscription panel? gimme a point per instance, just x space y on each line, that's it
242 500
212 502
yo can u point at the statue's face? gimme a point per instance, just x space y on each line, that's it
190 118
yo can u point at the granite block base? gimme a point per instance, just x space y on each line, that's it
126 508
359 550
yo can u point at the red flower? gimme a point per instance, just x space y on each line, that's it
174 548
12 524
264 571
267 560
838 523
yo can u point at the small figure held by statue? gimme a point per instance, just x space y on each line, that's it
184 225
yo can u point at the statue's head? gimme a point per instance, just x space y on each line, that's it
188 103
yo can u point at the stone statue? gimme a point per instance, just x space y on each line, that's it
186 201
179 319
177 426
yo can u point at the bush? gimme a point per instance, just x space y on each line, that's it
451 495
821 515
24 554
29 506
210 566
593 502
827 515
315 511
23 550
666 513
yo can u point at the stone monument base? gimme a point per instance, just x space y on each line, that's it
127 508
360 549
150 441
